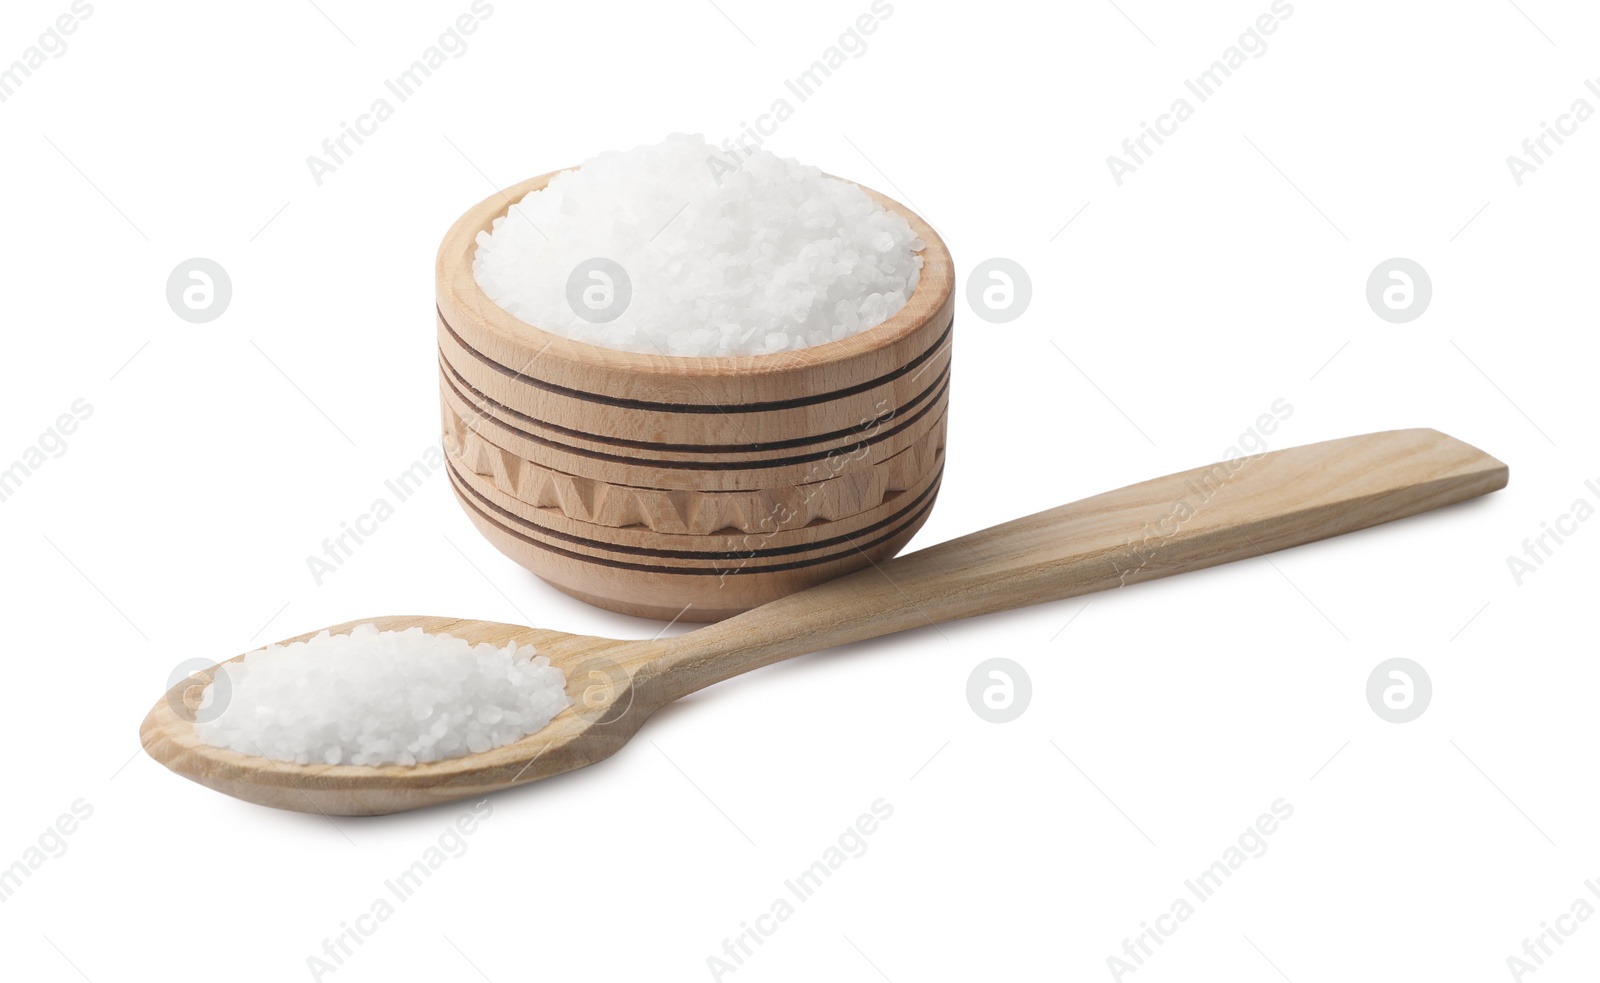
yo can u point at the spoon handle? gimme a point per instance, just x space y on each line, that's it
1185 521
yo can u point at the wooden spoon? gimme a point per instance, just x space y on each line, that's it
1185 521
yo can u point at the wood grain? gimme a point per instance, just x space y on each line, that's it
1235 510
1181 522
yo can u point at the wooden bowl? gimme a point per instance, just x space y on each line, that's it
697 488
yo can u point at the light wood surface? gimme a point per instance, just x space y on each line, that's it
713 469
766 536
697 512
1181 522
610 474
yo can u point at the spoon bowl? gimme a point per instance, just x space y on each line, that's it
606 710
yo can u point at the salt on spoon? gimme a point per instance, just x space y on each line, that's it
374 697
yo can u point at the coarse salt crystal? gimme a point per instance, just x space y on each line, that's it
769 256
375 698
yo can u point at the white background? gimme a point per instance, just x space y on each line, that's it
1227 272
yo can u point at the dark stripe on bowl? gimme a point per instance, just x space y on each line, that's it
640 404
471 497
462 388
752 465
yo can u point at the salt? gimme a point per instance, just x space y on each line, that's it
375 698
697 259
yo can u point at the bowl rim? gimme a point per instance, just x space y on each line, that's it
456 284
